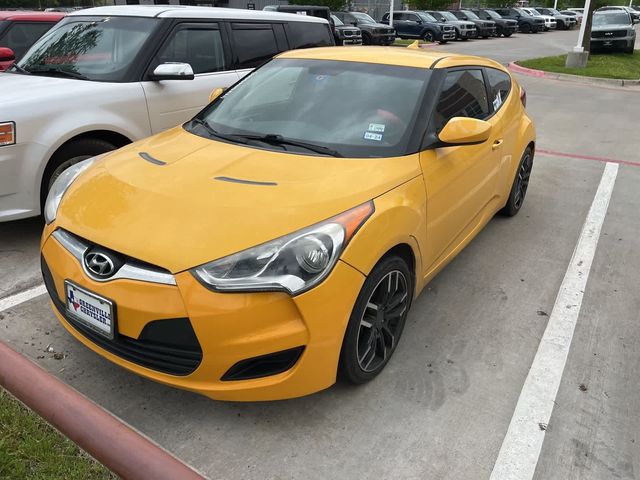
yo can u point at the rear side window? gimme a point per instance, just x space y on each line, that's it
463 95
306 35
499 87
20 36
199 46
254 43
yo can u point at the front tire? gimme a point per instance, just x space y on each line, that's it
429 36
525 28
520 184
366 39
377 321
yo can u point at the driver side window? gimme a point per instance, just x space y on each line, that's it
463 94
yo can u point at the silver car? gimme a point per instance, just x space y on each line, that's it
613 30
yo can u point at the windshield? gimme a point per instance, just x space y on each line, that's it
553 11
363 17
354 109
534 12
611 19
493 14
448 16
522 12
100 49
336 21
470 14
426 17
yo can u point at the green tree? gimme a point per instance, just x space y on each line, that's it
428 4
334 5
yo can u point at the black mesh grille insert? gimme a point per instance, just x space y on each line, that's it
168 346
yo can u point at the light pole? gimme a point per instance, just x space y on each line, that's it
391 15
577 58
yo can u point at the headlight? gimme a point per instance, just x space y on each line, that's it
293 263
61 185
7 133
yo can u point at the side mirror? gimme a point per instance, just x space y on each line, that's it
173 71
636 20
464 131
215 94
7 55
419 22
354 23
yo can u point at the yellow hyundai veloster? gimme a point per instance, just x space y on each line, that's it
278 238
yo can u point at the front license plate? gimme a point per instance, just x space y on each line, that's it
91 310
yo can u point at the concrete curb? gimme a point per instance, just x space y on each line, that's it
124 451
514 67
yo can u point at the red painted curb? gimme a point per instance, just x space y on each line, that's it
514 67
120 448
552 153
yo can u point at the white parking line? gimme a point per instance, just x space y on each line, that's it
13 300
521 446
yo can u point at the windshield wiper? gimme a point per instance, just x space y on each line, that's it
20 69
211 131
273 139
62 73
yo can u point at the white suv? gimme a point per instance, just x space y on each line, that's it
107 76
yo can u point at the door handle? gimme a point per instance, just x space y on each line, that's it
497 144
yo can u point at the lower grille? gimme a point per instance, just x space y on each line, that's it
167 346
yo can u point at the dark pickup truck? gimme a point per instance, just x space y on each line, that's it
410 24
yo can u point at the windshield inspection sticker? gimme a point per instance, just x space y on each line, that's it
376 127
373 136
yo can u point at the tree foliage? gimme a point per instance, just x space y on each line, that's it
334 5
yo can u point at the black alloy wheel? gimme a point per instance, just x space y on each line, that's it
377 320
520 184
429 36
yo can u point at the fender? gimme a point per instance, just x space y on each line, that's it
393 214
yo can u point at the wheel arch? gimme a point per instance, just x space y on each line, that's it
115 138
398 226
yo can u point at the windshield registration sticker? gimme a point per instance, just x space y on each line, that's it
373 136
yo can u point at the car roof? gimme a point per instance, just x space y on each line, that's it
404 57
31 16
183 11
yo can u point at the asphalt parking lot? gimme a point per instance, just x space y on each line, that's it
443 405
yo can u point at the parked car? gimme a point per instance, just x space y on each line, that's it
577 15
294 222
409 24
373 33
485 28
354 33
504 26
527 23
92 85
464 30
563 22
549 21
577 10
21 29
346 34
613 30
635 15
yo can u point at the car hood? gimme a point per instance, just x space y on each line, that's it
374 25
347 27
211 199
16 89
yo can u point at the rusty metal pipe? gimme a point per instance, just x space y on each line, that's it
113 443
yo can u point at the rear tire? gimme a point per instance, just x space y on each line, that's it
68 155
366 38
520 185
507 34
525 28
377 321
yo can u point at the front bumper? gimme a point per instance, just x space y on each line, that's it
486 31
612 43
228 328
446 36
383 39
468 33
355 40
